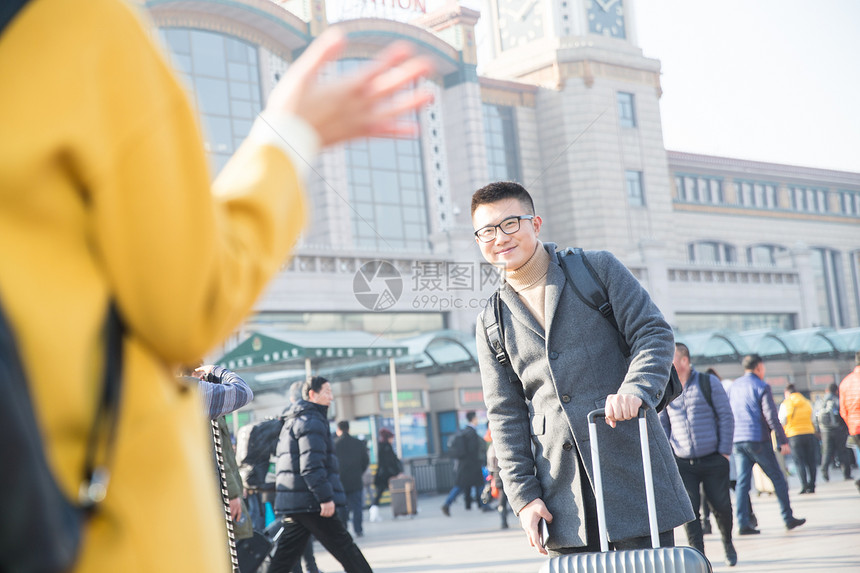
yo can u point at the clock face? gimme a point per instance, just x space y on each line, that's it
520 22
606 17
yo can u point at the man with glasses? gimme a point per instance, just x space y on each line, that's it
564 361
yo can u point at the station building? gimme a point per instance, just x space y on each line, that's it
741 256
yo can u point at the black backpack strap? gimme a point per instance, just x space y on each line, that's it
493 327
495 331
705 385
589 288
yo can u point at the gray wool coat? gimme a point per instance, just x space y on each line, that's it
565 372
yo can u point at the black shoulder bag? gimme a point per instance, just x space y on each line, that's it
41 529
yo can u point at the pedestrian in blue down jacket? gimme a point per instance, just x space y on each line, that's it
700 432
755 417
307 486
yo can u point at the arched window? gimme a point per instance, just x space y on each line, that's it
711 252
223 74
763 254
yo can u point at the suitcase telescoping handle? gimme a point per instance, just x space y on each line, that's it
598 481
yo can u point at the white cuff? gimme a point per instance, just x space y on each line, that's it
290 133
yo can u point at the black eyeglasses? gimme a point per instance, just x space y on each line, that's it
508 226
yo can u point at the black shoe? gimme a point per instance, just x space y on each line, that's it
706 527
446 510
857 483
748 531
753 520
731 554
794 522
359 534
803 491
505 525
825 476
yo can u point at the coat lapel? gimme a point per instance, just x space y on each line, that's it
554 287
519 312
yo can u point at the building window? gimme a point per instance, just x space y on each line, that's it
849 203
687 322
626 110
855 271
757 194
711 253
224 76
809 200
699 189
635 194
387 190
827 272
500 138
765 255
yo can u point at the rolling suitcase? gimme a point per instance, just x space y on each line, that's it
404 498
655 560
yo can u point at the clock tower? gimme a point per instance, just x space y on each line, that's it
602 172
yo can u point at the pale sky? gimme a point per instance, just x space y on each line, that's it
769 80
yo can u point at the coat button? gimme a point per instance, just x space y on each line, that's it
565 398
553 355
567 446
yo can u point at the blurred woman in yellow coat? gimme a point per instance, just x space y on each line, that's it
106 196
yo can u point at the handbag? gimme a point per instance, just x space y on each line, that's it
40 528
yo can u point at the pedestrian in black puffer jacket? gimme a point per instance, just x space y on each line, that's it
307 467
308 492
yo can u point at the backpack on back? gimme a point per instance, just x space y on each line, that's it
828 416
255 445
590 289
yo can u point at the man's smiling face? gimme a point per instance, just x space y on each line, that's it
514 250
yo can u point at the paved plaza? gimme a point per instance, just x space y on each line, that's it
471 541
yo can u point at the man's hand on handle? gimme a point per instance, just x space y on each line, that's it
620 407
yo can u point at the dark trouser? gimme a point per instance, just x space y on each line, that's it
592 533
354 506
833 445
748 454
803 448
330 531
308 560
381 486
711 473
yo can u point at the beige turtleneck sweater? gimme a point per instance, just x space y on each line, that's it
529 282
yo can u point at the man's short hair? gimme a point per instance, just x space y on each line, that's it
682 349
833 389
471 416
314 383
500 190
751 362
791 388
343 426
